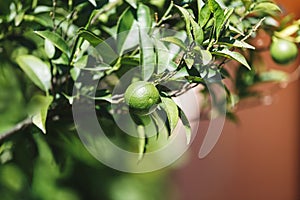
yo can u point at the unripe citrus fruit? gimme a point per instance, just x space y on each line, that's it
283 51
142 97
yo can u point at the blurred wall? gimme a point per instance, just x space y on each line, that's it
257 159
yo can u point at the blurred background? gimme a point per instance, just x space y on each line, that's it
255 159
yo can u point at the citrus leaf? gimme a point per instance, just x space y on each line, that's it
266 7
125 24
186 124
162 56
273 75
49 48
187 18
204 15
288 31
133 3
147 55
174 40
56 40
189 62
197 32
195 79
41 19
233 55
36 70
89 36
171 109
142 141
103 49
235 43
144 16
93 2
205 55
39 106
218 15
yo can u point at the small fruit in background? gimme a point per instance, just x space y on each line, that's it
283 51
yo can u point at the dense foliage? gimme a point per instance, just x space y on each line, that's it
48 49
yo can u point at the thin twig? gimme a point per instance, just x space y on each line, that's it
105 9
54 3
16 128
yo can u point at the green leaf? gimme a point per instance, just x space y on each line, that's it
103 49
125 24
205 14
41 19
233 55
186 124
273 75
218 14
195 79
147 55
19 18
187 18
49 48
93 2
39 106
36 70
162 56
89 36
288 31
266 8
144 17
189 62
171 109
174 40
133 3
231 42
142 141
205 55
197 32
56 40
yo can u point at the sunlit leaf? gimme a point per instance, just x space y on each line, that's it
125 24
49 48
187 18
36 70
162 56
39 106
89 36
147 55
205 14
174 40
235 43
266 7
171 109
273 75
56 40
93 2
142 141
233 55
144 17
133 3
197 32
218 14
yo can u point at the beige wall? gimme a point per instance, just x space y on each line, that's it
255 160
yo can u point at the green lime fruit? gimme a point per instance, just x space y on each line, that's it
283 52
142 97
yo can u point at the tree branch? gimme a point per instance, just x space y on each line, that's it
16 128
